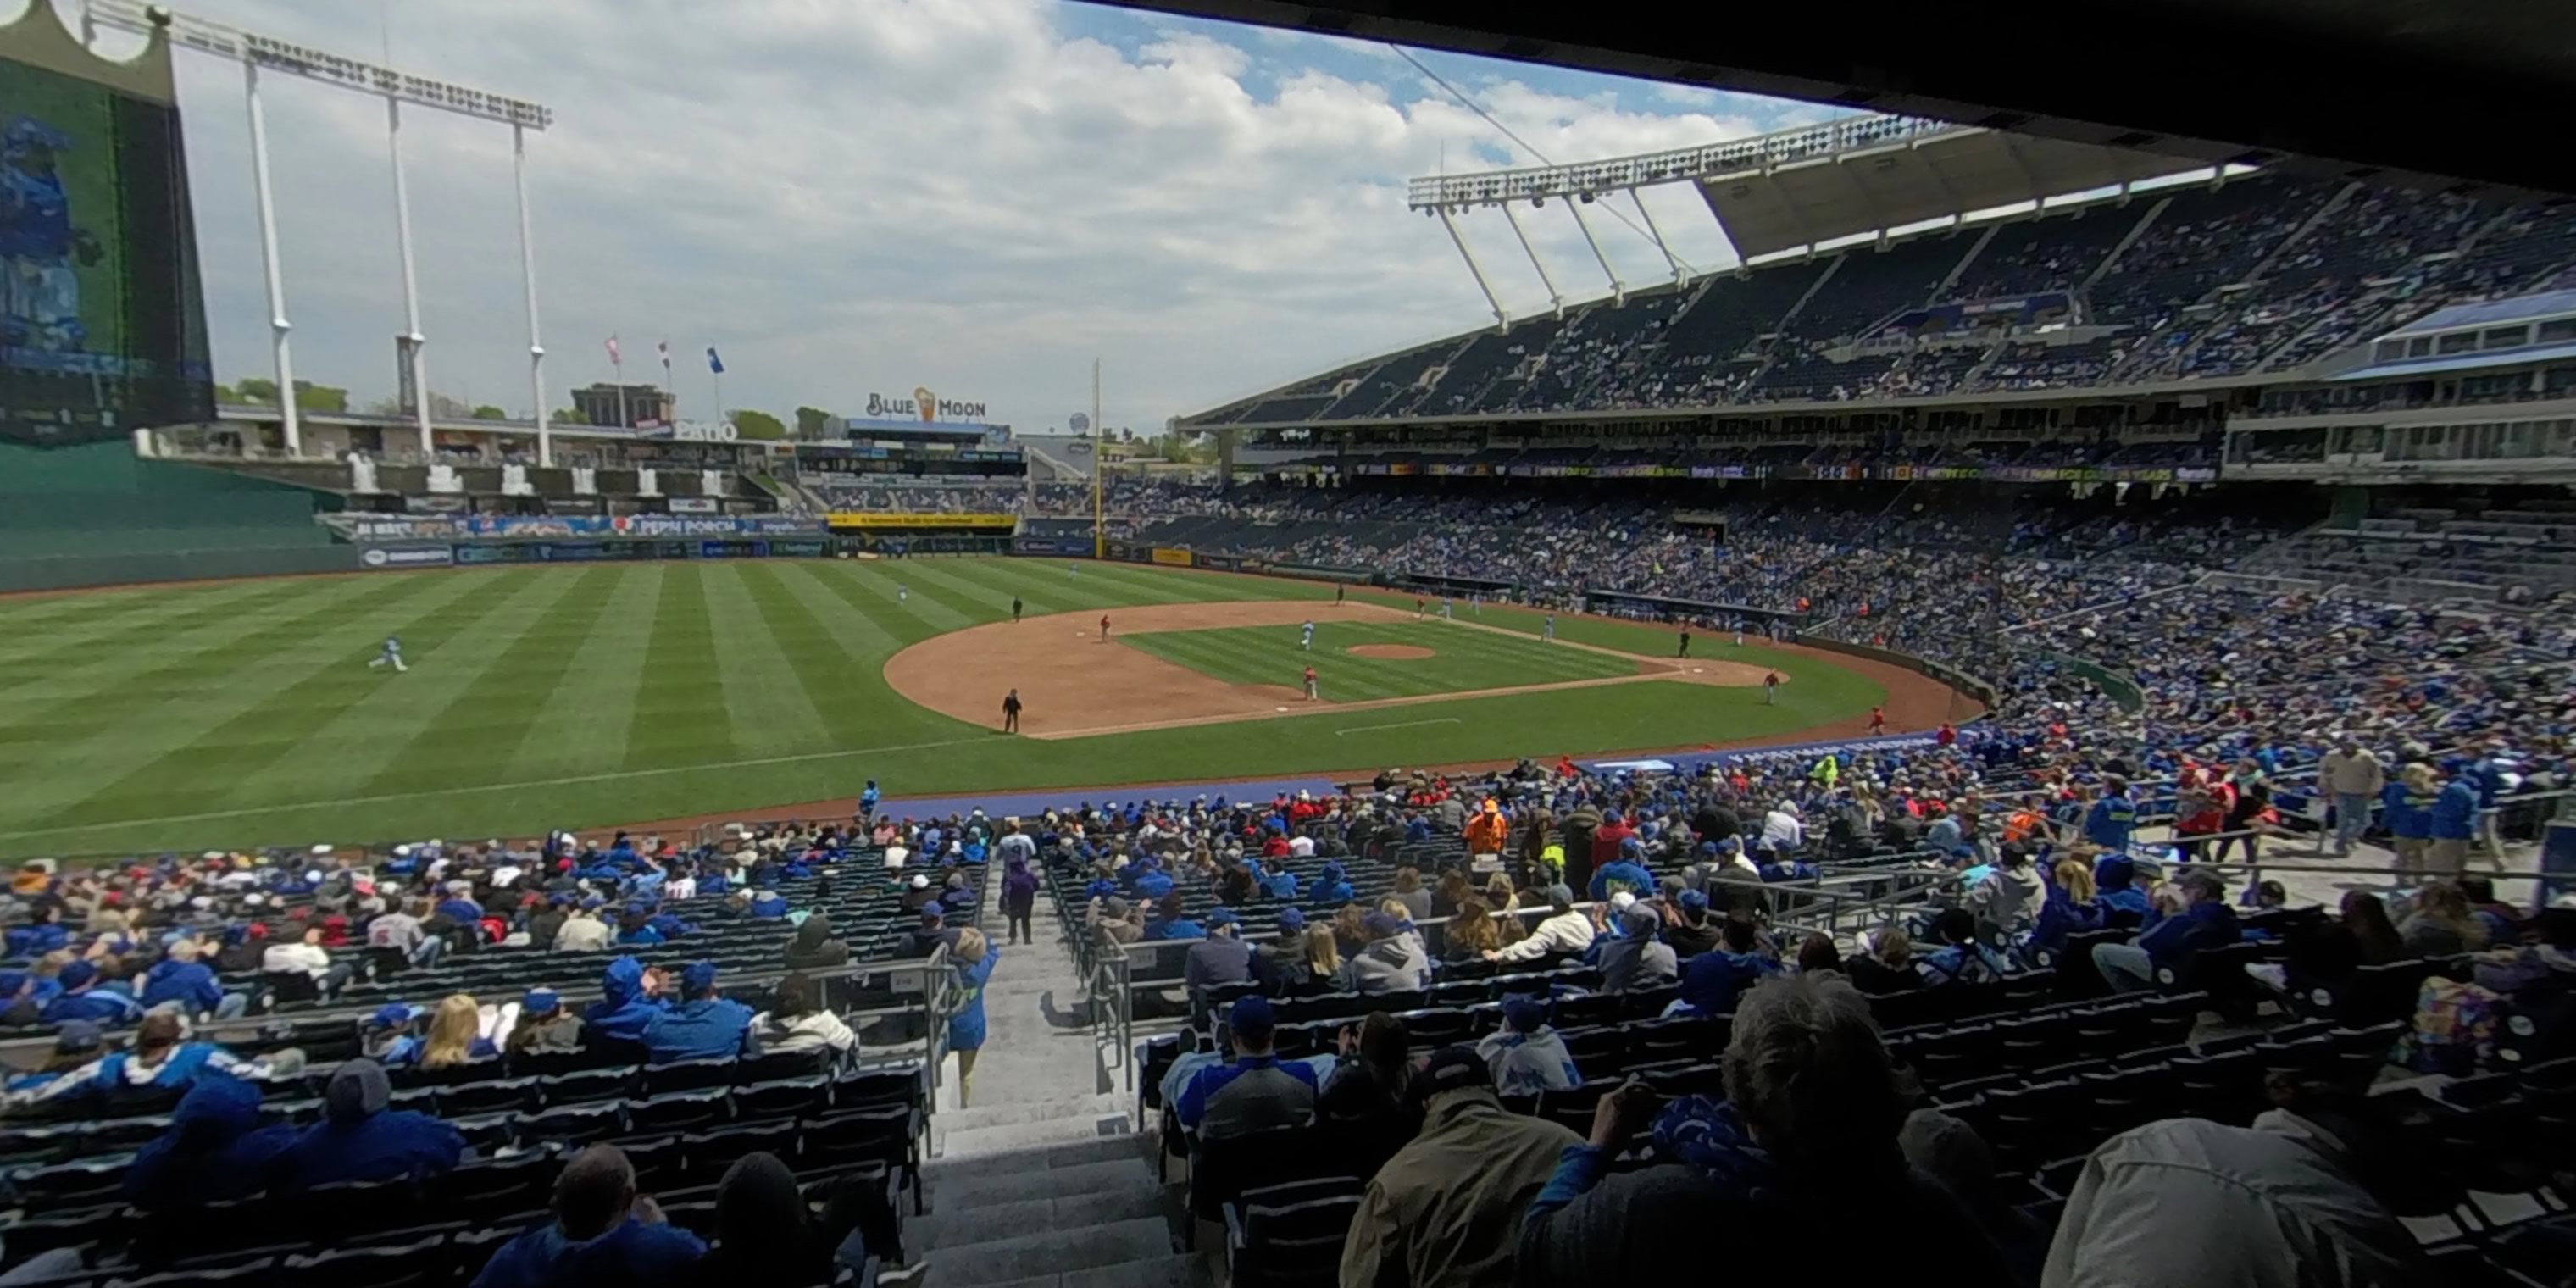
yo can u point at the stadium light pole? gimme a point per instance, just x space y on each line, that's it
289 415
528 275
1618 289
1680 274
413 340
268 53
1554 298
1501 318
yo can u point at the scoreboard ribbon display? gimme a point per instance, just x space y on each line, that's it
902 519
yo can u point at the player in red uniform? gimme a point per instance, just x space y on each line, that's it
1104 628
1878 720
1311 695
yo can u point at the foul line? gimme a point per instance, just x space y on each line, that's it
1401 724
571 781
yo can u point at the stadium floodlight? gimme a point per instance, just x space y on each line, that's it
257 53
1590 179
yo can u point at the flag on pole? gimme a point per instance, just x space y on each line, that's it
615 358
664 348
714 363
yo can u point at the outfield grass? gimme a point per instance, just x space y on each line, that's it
244 714
1463 659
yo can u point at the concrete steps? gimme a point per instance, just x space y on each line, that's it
1041 1182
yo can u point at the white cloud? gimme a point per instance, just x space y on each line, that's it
859 195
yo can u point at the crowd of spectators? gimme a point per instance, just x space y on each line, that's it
2265 272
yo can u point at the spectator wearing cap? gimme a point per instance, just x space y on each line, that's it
1255 1092
1806 1136
1119 921
1394 961
1565 930
1332 887
88 995
601 1232
215 1150
1443 1209
931 934
583 931
359 1139
1221 958
544 1027
76 1043
1280 965
160 1061
459 907
2113 816
2454 822
1525 1056
629 1001
305 956
1634 958
703 1024
1626 870
1687 926
389 1036
2185 918
1171 920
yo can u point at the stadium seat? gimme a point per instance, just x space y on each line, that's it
710 1153
680 1111
493 1188
404 1265
1291 1235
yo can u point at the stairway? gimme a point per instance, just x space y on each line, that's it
1041 1181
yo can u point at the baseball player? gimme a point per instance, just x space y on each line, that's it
1877 720
1011 711
1104 628
1306 636
902 592
1445 602
1311 694
1072 569
1015 608
391 656
1771 689
1685 649
1421 606
1548 630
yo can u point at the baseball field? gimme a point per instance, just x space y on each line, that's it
246 714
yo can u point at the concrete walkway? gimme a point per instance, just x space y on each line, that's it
1040 1180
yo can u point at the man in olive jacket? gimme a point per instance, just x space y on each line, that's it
1445 1212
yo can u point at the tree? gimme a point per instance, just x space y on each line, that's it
756 424
567 416
257 389
809 421
312 397
226 394
489 412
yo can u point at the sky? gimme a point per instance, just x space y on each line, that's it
849 197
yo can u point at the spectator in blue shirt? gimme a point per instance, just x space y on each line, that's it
86 996
2406 806
181 978
215 1149
2455 821
45 934
1172 921
1332 888
2179 926
359 1139
629 1000
703 1024
1255 1092
2114 815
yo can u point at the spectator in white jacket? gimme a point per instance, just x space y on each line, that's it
583 931
802 1022
1565 930
1782 829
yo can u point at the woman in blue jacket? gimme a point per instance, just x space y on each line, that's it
2070 907
975 958
2406 805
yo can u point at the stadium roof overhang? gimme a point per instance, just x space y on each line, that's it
2391 90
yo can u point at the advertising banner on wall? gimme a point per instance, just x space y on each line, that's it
390 528
1171 557
405 557
694 505
1050 545
906 519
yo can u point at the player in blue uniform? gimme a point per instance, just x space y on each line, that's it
39 291
392 656
1307 643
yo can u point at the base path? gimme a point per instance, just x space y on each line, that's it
1073 683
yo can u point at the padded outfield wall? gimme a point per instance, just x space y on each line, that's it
97 515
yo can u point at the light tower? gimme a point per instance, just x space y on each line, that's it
257 54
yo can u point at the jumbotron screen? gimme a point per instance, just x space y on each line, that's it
102 323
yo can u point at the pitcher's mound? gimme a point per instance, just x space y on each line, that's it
1399 652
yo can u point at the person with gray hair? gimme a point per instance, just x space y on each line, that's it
1805 1141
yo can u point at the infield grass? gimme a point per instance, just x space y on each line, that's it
1463 659
244 714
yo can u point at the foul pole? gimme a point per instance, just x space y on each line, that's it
1099 436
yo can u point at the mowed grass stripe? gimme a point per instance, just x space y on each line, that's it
679 713
196 757
844 680
766 696
144 675
972 595
517 657
1025 580
43 647
581 721
883 581
350 747
328 732
853 628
